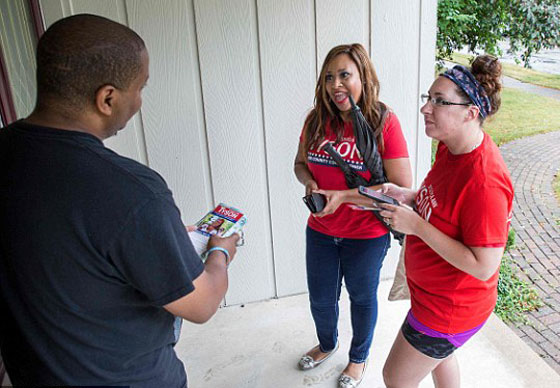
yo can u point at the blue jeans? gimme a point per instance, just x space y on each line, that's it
358 261
177 323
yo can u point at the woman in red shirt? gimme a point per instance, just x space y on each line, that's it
343 242
456 236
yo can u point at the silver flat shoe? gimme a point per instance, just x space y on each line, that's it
345 381
307 362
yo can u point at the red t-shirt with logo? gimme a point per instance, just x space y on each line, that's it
346 222
469 198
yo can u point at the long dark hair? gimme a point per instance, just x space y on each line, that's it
324 110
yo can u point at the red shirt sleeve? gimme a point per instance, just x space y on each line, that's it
393 139
484 216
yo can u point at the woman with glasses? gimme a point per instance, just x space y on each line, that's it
343 242
457 233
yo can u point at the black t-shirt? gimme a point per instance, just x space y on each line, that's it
91 247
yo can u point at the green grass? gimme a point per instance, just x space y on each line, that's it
518 72
523 114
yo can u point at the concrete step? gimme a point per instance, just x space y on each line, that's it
258 346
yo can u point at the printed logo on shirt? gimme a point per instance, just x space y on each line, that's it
426 201
346 148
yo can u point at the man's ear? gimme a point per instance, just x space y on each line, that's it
105 98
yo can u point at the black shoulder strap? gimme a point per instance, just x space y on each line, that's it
354 180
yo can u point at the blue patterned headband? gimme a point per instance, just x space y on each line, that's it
466 81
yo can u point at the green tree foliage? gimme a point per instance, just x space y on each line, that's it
529 25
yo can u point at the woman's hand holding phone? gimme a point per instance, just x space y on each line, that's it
401 194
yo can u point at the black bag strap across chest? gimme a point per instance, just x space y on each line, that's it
367 146
353 180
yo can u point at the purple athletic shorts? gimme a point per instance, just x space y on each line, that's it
431 342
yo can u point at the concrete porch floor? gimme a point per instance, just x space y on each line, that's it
258 345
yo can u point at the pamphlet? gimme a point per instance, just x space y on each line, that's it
223 221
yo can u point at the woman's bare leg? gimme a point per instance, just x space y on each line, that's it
446 374
406 367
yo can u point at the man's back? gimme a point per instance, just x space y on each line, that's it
91 247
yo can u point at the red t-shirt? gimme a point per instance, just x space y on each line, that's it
346 222
469 198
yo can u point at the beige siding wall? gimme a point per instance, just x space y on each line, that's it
230 85
17 40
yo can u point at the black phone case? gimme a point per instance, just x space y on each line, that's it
315 202
379 197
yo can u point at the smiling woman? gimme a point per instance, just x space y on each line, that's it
343 242
343 79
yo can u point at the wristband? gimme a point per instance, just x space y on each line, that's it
223 250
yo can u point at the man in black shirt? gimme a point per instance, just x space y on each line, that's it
94 259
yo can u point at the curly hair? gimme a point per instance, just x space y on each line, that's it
79 54
324 110
488 72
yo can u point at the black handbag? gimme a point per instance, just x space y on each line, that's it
367 145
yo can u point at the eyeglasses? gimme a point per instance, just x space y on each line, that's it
438 101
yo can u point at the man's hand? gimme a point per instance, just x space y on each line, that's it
228 243
209 287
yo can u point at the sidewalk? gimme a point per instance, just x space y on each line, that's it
257 346
547 60
530 88
533 163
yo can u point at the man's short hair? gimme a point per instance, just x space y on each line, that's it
79 54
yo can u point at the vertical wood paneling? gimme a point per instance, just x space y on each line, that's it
428 23
395 50
395 55
230 85
52 10
229 63
340 22
107 8
18 44
288 83
172 103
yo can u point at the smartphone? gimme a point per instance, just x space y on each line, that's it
377 196
315 202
